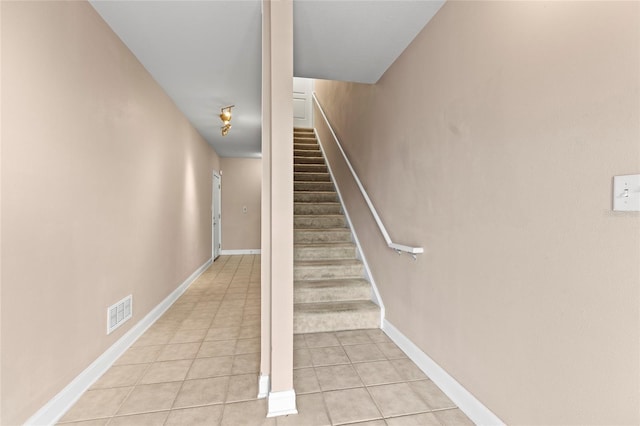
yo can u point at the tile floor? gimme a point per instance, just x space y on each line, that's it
199 364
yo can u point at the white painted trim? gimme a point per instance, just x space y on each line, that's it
474 409
282 403
377 299
397 247
236 252
217 175
53 410
263 386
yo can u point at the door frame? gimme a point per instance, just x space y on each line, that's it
216 199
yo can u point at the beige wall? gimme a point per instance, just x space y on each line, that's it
241 187
106 191
492 142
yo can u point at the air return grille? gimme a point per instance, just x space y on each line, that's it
119 313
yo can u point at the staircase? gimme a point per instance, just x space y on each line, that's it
330 292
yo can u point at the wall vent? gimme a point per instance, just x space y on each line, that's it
119 313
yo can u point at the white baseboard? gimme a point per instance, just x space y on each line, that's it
282 403
53 410
377 299
474 409
236 252
263 386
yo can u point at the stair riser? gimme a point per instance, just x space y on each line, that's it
306 146
308 160
314 209
313 186
319 222
327 272
331 294
324 253
317 323
314 168
306 149
311 237
315 197
312 177
306 153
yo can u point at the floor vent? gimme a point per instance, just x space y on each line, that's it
119 313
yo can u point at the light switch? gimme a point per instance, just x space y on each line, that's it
626 193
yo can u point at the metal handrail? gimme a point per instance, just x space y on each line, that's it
399 248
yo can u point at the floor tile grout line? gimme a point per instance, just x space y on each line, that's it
236 282
128 393
324 401
369 393
175 398
227 387
226 395
144 373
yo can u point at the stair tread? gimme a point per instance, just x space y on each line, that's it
339 244
309 208
313 173
313 216
327 194
323 230
330 291
337 282
335 307
327 262
321 203
313 192
314 182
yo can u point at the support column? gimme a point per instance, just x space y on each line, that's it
265 210
278 111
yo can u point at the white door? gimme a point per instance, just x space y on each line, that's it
302 109
216 217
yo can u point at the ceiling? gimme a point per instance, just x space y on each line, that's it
207 54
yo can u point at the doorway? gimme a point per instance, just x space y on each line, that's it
216 238
302 108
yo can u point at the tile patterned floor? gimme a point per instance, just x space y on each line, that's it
199 364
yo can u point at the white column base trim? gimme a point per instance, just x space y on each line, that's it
53 410
282 403
474 409
236 252
263 386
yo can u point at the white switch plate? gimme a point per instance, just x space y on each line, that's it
626 193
